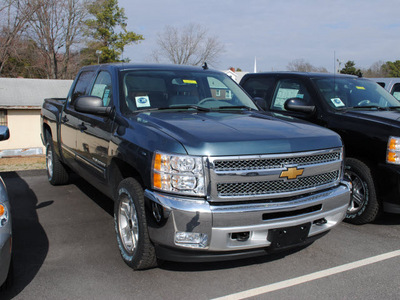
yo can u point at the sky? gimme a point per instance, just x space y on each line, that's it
276 32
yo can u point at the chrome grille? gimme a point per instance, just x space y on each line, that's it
275 187
274 163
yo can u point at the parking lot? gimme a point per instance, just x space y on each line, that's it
65 248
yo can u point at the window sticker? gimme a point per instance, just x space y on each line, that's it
106 97
360 88
142 101
397 95
282 95
188 81
337 102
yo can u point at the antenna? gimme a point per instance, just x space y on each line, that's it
205 66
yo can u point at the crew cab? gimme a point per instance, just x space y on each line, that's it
197 172
362 112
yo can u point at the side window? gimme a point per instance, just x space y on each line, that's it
289 88
82 85
396 91
102 87
259 87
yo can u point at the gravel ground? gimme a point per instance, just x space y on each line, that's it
19 163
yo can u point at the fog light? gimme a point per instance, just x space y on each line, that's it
191 239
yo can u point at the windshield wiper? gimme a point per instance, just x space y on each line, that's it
393 107
196 107
368 106
234 107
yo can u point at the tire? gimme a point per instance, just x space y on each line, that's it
131 226
364 206
56 172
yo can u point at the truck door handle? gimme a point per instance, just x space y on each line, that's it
64 119
82 127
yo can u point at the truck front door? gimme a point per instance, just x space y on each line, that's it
95 132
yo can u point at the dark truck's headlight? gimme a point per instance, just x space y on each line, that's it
393 150
182 174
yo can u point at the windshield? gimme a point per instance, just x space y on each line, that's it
201 90
342 93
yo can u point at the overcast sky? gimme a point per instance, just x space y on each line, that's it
276 32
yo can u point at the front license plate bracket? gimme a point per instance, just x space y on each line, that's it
288 236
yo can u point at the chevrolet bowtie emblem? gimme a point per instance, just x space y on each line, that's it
291 173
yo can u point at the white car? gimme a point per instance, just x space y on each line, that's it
5 226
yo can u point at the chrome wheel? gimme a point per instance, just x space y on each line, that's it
49 161
128 222
359 195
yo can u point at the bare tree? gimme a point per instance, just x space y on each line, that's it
191 45
377 69
300 65
55 26
14 15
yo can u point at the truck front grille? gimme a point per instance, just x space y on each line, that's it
276 186
258 177
274 163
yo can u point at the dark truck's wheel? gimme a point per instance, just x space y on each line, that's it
364 205
56 172
131 226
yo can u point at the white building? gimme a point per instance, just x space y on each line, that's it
20 103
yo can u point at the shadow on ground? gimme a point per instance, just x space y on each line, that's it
30 242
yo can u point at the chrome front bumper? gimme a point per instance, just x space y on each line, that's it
224 225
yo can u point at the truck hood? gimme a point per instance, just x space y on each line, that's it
239 133
391 117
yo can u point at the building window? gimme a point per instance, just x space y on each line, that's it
218 93
3 117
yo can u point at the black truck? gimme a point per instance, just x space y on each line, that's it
361 112
197 172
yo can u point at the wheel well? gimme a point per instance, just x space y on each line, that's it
120 170
46 128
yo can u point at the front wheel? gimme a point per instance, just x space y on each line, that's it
131 226
364 206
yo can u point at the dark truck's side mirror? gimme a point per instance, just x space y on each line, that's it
91 105
4 133
260 102
299 105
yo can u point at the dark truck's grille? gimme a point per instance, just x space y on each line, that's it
261 177
273 163
275 187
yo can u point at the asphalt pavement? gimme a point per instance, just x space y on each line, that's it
65 248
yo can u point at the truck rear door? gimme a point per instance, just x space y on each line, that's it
70 122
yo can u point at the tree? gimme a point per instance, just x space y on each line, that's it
108 43
191 45
56 26
392 69
349 68
14 15
300 65
377 69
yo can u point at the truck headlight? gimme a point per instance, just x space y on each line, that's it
181 174
393 150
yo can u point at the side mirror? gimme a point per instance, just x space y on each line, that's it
299 105
260 102
91 105
4 133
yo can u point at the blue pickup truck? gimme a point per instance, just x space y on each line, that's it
197 172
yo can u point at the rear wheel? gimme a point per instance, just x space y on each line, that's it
364 206
56 172
131 226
